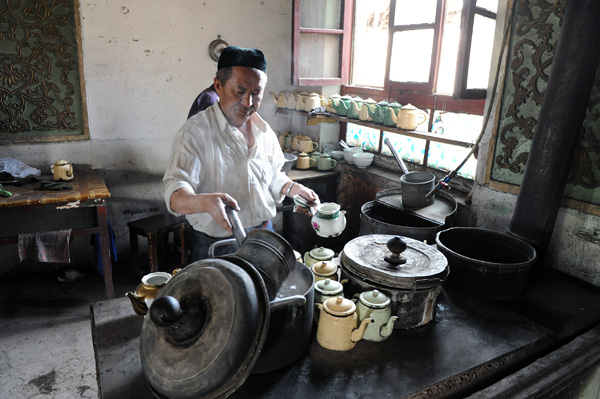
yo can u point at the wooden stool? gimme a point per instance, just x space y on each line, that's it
156 229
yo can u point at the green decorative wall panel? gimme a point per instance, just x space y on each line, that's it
40 94
535 32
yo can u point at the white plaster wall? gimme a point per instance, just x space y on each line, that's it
145 62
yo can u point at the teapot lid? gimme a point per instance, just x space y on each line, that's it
374 299
321 253
302 154
409 107
369 257
370 101
215 296
61 162
328 287
346 97
324 268
395 104
383 102
339 306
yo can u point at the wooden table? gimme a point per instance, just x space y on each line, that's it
89 191
468 345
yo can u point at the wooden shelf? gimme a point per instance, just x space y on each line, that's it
410 133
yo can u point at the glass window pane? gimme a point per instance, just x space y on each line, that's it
409 148
321 14
410 12
490 5
465 127
313 66
447 157
362 136
411 56
481 52
449 52
370 42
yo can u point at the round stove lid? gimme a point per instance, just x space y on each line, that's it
213 347
370 258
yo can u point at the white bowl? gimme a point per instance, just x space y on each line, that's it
289 161
363 159
349 152
337 155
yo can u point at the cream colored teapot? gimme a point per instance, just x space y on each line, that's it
410 117
279 100
339 329
62 170
147 290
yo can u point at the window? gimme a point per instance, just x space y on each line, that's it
432 54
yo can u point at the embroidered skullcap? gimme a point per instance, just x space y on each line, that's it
245 57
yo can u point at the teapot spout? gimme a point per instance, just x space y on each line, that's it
138 304
387 329
274 97
355 107
357 334
393 115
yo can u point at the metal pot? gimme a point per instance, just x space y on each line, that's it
487 263
415 186
214 324
409 272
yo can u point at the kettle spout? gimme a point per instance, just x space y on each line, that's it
356 108
393 115
358 333
274 97
387 329
138 304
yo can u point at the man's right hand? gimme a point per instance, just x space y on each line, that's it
185 202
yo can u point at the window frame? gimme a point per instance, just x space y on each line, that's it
345 33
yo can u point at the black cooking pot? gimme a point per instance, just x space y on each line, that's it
214 323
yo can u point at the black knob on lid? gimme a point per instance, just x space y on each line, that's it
165 311
396 245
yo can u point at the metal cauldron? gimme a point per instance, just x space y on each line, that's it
215 323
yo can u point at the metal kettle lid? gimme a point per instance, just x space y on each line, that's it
329 287
212 352
365 256
322 253
374 299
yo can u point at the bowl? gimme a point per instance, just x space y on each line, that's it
349 152
289 161
363 159
337 155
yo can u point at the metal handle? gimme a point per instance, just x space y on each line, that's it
294 299
238 230
395 154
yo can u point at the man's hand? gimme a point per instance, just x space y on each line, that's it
184 201
309 195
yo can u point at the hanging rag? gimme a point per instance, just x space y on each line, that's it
50 247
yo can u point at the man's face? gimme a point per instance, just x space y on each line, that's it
241 94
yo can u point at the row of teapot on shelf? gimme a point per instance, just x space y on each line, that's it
298 142
391 114
343 322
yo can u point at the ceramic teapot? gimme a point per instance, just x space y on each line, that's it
391 115
319 254
379 111
325 270
327 288
339 329
329 221
62 170
300 99
314 100
306 144
375 305
355 106
367 110
332 103
147 290
279 100
304 161
343 105
290 102
410 117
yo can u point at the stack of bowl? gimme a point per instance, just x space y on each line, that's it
349 152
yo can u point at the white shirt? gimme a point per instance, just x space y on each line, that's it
208 156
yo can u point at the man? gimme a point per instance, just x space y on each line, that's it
227 155
204 100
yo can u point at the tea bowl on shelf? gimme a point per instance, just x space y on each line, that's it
363 159
337 155
349 152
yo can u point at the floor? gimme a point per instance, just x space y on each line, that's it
45 335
